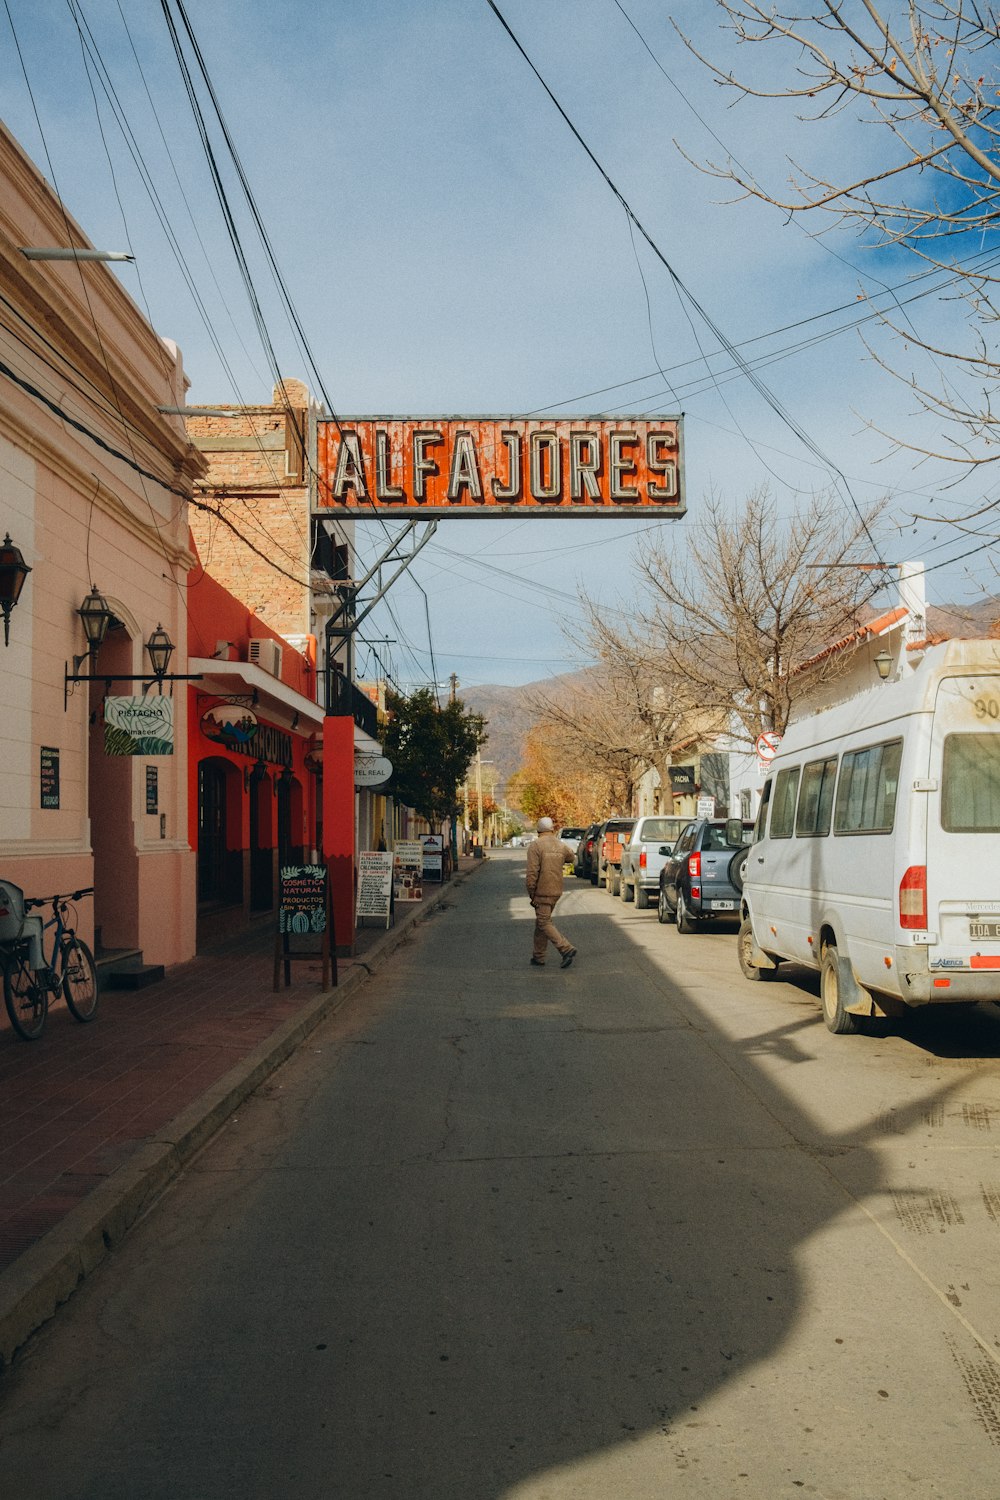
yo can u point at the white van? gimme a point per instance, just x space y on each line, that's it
876 854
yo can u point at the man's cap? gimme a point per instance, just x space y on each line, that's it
544 825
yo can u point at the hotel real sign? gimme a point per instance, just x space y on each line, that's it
490 466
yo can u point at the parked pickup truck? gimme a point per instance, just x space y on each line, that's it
608 862
643 856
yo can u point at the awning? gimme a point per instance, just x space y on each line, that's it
275 699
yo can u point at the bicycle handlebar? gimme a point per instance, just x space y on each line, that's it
30 901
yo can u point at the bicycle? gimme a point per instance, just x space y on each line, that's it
27 979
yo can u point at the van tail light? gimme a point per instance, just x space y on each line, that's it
694 865
642 859
913 897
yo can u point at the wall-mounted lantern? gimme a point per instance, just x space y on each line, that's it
161 649
13 571
883 664
96 614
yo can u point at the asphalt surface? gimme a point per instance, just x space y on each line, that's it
633 1229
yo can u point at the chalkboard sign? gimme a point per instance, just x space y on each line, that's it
303 908
302 898
49 776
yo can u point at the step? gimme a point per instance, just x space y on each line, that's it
126 971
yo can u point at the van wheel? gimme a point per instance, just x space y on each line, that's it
663 912
831 994
685 921
641 899
744 949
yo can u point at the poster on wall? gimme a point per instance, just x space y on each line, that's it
49 779
375 885
139 726
408 870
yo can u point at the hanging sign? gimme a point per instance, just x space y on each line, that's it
231 724
489 466
375 884
139 726
408 870
371 771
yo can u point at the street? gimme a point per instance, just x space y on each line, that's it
633 1230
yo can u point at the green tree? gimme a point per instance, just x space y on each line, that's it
431 749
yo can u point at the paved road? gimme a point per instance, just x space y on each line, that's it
630 1231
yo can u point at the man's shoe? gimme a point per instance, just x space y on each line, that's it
568 958
538 963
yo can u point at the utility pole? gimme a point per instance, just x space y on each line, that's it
453 679
479 798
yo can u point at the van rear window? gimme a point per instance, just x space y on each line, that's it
866 791
970 796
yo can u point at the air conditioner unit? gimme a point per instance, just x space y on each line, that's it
266 654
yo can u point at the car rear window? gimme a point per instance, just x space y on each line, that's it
658 828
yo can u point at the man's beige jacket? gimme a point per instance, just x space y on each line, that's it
544 873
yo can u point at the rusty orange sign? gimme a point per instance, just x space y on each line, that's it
476 466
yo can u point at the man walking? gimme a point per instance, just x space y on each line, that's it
544 880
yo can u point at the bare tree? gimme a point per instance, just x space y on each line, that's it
734 618
596 730
926 73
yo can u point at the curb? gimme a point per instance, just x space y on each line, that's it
35 1285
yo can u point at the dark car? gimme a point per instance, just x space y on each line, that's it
583 863
702 879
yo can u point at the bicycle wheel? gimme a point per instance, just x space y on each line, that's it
79 979
27 1002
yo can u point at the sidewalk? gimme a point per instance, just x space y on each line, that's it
95 1120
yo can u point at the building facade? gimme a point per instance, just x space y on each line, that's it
94 485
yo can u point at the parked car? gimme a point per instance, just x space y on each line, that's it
702 879
609 859
649 843
585 853
572 837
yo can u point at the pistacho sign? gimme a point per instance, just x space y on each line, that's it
139 726
468 466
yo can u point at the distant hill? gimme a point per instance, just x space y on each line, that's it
510 717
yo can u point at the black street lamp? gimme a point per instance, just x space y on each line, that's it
13 571
161 649
96 614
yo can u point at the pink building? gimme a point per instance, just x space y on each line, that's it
94 481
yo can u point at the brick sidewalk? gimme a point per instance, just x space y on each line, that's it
80 1102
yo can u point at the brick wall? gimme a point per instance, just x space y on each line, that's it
251 517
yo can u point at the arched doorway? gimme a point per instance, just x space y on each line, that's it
261 839
220 878
290 808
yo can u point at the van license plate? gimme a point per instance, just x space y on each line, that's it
729 906
978 928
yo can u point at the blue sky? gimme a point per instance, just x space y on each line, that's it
449 248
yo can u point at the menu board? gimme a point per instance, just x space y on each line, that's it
408 874
302 898
433 856
375 884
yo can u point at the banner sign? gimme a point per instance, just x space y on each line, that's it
375 884
302 898
139 726
489 466
408 871
371 771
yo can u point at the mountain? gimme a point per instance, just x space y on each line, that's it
510 714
